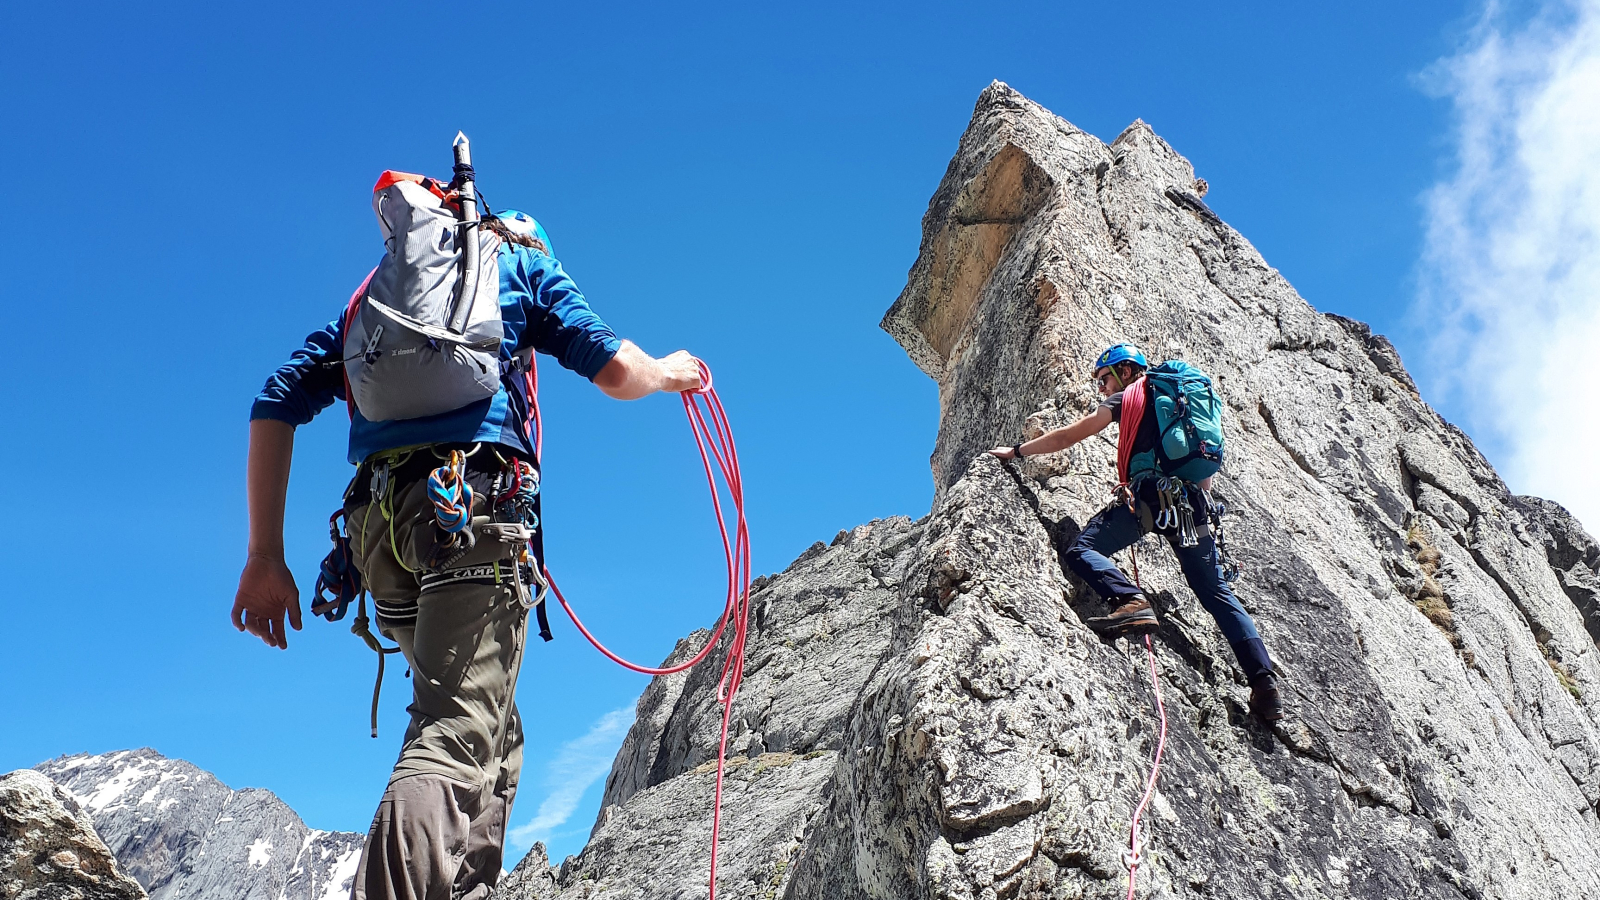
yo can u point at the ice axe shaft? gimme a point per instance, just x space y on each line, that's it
468 236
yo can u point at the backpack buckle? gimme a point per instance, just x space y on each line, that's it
370 353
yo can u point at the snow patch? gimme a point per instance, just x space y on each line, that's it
113 788
67 765
342 877
260 852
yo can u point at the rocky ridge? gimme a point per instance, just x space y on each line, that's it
184 834
926 715
49 849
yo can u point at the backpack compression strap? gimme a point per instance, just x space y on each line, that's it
1133 402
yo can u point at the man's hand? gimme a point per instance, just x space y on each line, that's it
1003 452
266 592
681 372
632 373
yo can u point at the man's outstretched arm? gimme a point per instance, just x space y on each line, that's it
633 373
267 591
1061 438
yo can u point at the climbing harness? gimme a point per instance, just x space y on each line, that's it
711 430
1133 857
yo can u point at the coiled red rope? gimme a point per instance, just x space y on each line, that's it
1134 855
713 436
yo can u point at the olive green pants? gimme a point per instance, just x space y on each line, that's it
440 829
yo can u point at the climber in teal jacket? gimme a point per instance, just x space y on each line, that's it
1122 523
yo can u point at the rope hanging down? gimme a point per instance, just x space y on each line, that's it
711 431
1134 855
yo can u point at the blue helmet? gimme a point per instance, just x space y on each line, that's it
520 222
1121 353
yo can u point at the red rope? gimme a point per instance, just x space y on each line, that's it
711 432
1133 857
1132 413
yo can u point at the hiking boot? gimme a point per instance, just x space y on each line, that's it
1265 701
1133 617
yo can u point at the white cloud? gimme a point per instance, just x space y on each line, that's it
1511 275
578 764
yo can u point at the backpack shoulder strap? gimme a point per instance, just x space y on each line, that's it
350 310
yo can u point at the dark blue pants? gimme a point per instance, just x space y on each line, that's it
1116 528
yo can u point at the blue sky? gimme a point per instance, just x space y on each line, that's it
190 198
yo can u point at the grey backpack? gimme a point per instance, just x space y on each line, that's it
417 344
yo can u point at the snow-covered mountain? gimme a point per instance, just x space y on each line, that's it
184 835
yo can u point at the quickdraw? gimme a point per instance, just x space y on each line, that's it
338 582
1176 513
1215 510
516 499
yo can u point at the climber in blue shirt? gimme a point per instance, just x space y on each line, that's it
440 828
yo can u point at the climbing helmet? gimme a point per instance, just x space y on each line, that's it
521 223
1121 353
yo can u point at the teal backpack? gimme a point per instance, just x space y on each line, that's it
1188 421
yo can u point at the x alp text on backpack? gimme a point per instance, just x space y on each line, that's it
1188 422
402 356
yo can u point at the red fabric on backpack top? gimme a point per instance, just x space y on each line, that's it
1133 399
390 177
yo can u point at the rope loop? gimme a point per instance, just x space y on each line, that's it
1134 855
450 493
713 436
705 379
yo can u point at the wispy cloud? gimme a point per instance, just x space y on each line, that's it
577 765
1511 277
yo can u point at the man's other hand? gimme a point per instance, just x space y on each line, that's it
1002 452
266 592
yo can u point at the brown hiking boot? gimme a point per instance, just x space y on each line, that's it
1265 701
1133 617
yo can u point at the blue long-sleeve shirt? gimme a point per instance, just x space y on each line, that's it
540 307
